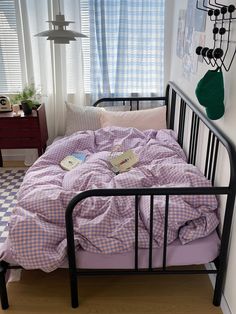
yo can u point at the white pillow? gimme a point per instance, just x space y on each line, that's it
117 108
82 118
141 119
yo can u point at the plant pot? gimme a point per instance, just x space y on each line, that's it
26 107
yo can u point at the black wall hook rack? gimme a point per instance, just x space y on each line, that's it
222 16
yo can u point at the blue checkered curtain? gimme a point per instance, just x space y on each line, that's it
127 47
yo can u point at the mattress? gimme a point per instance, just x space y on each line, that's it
200 251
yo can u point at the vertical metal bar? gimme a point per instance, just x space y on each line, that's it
71 257
183 125
211 157
195 141
165 232
224 247
215 162
136 232
131 105
207 153
180 122
172 110
167 103
191 138
123 102
137 104
3 288
151 232
1 161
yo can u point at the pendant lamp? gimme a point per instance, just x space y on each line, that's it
59 33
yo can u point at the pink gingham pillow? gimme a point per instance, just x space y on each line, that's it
141 119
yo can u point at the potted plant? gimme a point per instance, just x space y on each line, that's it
27 98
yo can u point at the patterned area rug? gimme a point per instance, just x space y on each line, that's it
10 181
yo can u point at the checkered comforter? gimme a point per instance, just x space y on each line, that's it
106 225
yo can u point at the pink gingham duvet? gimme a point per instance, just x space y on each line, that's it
37 233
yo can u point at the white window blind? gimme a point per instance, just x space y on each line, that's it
10 65
71 51
85 43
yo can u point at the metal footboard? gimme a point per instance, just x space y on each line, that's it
136 193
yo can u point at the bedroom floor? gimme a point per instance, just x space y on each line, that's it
38 292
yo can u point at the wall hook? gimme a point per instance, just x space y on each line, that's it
217 55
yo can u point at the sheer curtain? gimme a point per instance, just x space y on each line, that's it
47 64
127 47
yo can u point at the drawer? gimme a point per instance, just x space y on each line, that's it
19 123
18 133
26 142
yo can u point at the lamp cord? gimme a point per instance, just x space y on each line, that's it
59 7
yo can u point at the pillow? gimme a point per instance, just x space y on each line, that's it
141 119
81 118
117 108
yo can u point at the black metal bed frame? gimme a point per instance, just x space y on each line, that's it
173 98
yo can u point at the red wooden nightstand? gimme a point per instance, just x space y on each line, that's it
23 131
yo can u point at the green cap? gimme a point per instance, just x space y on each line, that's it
210 94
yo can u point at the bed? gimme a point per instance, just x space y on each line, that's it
154 233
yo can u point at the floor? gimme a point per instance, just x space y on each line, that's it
10 181
38 292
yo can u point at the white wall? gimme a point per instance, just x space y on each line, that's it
168 39
226 123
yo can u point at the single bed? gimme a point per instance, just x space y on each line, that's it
152 247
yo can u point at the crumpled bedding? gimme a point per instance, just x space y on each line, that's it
37 234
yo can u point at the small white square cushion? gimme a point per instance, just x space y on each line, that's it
82 118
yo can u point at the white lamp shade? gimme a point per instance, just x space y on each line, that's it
60 35
57 33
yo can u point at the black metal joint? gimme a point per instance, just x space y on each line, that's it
204 51
222 31
210 54
198 50
231 8
224 10
218 53
216 12
210 12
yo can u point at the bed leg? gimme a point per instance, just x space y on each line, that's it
3 288
74 289
218 288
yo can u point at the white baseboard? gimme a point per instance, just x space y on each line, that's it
13 158
27 155
13 154
15 275
224 304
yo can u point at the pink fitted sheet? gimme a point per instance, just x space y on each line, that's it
201 251
197 252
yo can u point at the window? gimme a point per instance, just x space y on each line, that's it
127 47
126 39
85 43
71 13
10 65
